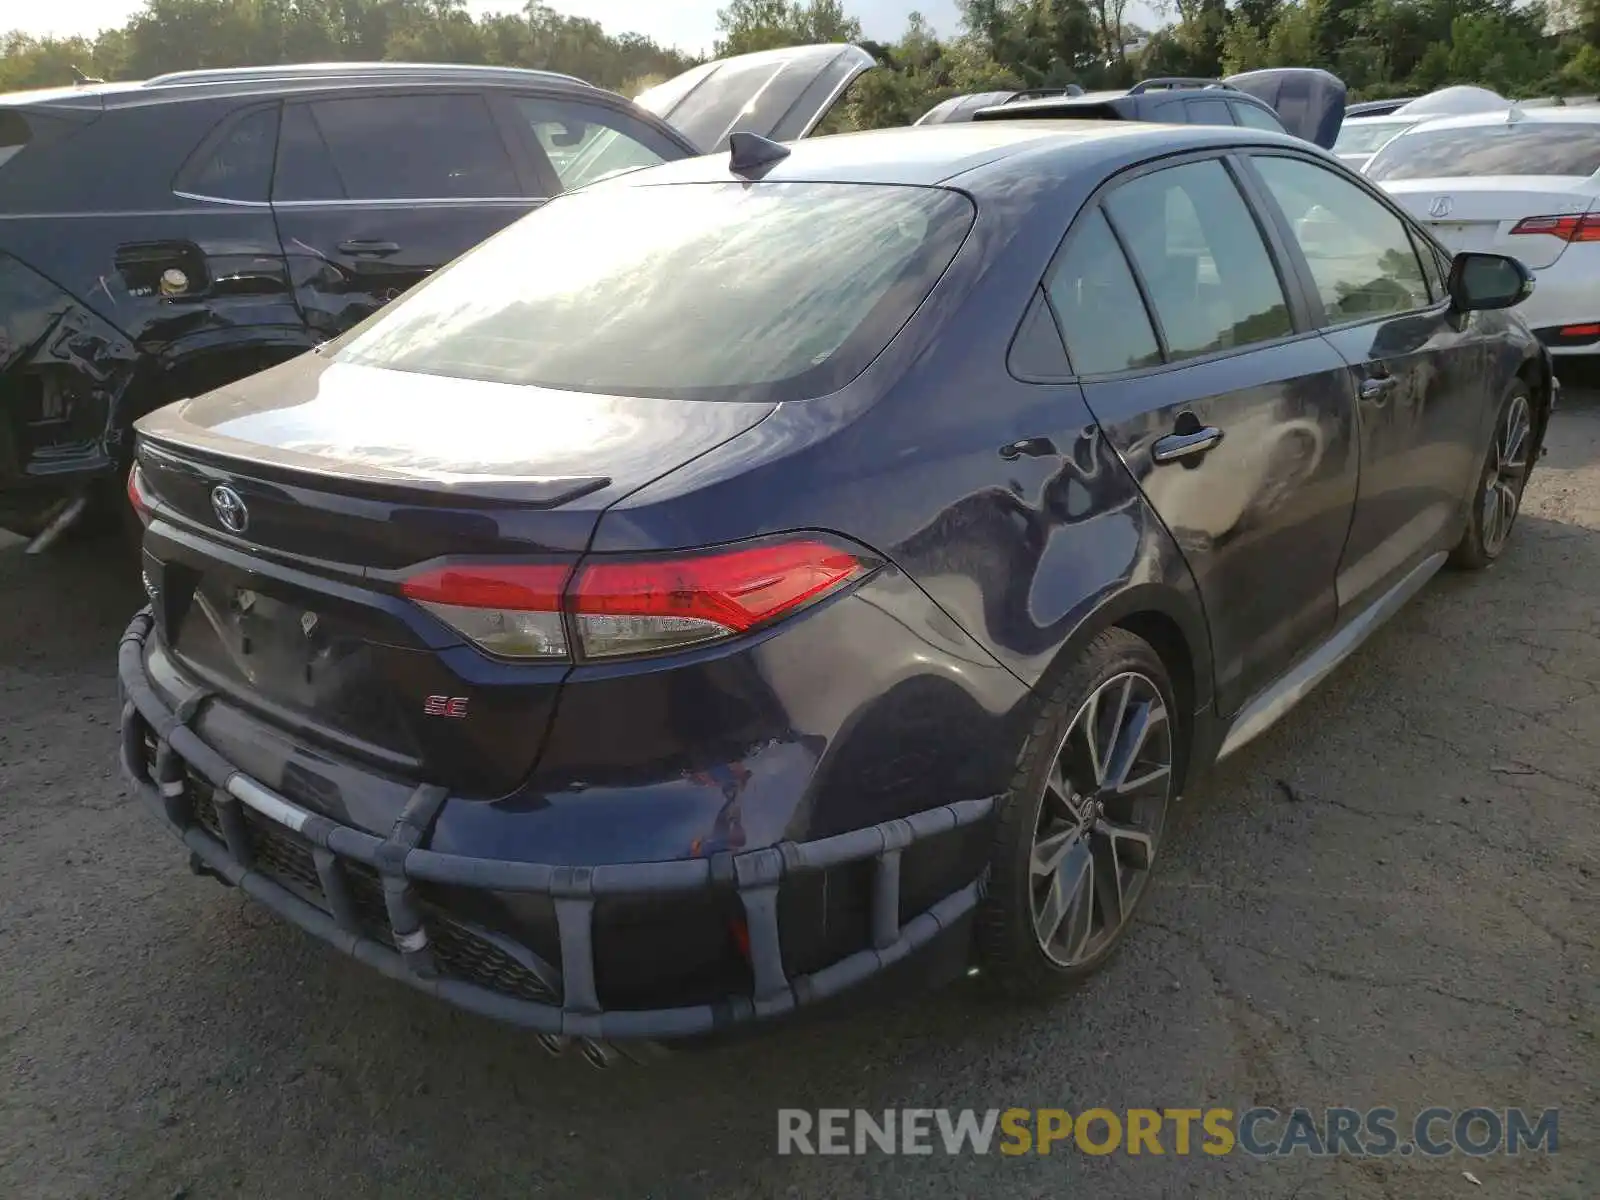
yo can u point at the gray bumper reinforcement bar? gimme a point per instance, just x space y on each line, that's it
401 860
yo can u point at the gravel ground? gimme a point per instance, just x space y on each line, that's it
1388 900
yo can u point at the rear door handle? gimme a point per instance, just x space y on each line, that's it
1177 446
369 246
1376 387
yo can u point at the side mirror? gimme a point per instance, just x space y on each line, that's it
1483 281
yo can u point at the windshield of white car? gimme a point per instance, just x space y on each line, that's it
1487 150
1365 136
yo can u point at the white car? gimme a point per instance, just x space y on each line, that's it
1523 182
1359 140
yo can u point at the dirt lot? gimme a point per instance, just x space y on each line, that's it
1389 900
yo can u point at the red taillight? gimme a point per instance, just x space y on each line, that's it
1580 331
1580 228
619 607
136 494
636 607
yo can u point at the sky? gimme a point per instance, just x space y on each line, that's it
690 25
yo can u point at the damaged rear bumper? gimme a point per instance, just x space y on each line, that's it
364 894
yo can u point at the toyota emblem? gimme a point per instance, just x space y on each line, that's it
1441 206
232 515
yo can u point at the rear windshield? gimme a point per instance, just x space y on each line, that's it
1365 136
737 291
1526 149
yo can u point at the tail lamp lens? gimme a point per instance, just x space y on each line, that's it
137 496
617 608
510 610
1583 228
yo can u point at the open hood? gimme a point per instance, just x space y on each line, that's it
779 94
1309 102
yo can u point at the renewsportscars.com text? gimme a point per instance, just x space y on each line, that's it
1259 1132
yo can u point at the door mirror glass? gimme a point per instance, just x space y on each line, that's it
1484 281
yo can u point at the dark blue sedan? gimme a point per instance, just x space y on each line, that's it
760 575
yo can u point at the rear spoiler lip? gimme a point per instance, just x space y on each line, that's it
507 491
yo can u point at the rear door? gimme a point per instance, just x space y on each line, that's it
374 192
1199 361
1418 367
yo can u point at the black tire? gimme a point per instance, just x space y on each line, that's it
1497 498
1043 806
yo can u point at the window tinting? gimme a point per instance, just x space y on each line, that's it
1209 112
305 168
584 143
1359 252
1097 304
1204 265
775 291
1525 149
236 162
415 147
1252 117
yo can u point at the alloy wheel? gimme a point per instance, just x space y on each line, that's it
1508 471
1100 819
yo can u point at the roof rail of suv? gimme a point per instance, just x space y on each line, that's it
333 70
1166 82
1042 93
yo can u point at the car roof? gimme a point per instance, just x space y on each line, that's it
985 155
275 80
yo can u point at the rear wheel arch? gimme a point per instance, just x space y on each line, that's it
1172 626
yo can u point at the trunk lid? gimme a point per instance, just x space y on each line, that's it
1480 213
779 94
347 479
1309 101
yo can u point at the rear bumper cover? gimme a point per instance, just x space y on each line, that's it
405 951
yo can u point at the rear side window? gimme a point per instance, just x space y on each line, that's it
414 147
1252 117
584 143
1209 112
1500 149
737 291
1097 304
14 135
19 130
1360 253
1202 259
235 161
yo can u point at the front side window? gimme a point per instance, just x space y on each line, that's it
1097 304
723 291
584 144
415 147
1527 148
1360 254
1204 264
